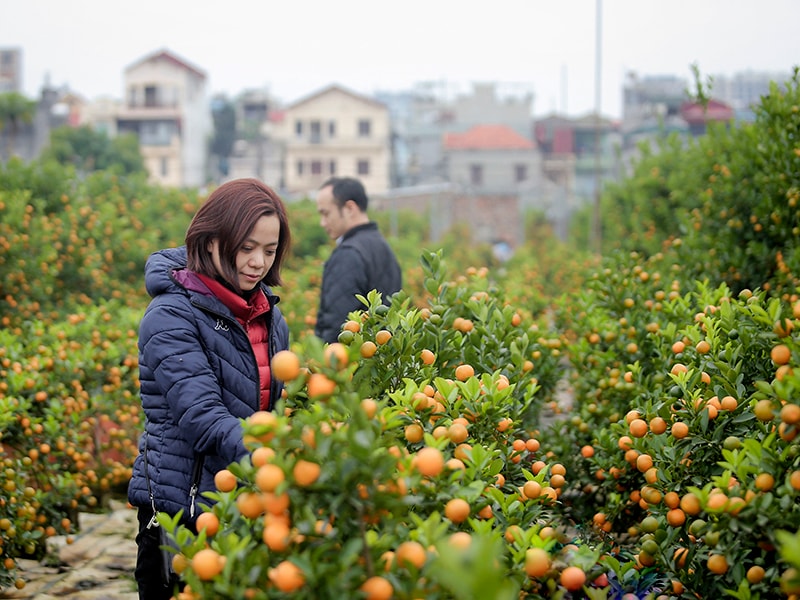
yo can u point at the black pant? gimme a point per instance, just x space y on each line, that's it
150 575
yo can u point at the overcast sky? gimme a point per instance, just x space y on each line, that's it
295 47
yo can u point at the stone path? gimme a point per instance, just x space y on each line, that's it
98 565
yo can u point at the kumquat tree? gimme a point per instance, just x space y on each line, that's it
559 426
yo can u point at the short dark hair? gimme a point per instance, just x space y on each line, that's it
347 188
228 215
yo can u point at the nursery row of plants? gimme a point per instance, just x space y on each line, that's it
433 452
412 461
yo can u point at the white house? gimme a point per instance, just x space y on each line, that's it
167 107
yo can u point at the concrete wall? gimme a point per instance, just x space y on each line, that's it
498 168
490 218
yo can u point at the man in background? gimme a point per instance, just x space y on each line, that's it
362 260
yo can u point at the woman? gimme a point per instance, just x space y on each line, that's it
205 343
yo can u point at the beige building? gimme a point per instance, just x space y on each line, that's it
336 132
166 106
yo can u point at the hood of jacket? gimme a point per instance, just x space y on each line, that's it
159 267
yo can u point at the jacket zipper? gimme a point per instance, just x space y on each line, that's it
197 473
270 353
252 352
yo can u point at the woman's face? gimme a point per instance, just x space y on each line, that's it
257 253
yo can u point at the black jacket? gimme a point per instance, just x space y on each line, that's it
360 263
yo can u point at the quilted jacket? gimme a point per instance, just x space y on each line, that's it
199 377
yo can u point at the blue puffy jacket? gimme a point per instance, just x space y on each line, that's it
199 378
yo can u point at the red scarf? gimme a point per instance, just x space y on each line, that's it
250 314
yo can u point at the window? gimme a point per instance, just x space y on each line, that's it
363 167
316 132
256 112
476 174
157 133
332 129
332 167
364 128
164 166
316 167
520 173
300 168
150 96
298 129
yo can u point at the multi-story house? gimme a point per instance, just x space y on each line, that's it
490 159
657 106
434 109
167 107
698 116
335 132
492 167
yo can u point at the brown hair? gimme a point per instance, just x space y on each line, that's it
228 215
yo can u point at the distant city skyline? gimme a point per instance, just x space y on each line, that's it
295 49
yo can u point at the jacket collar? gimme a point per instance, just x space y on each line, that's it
244 310
354 230
200 292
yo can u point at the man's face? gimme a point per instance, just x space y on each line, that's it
334 219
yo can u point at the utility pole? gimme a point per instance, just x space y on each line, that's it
596 229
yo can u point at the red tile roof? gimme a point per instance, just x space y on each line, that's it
716 110
487 137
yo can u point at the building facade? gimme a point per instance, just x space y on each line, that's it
167 107
579 153
490 159
335 132
422 118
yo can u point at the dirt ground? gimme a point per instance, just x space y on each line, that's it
97 565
